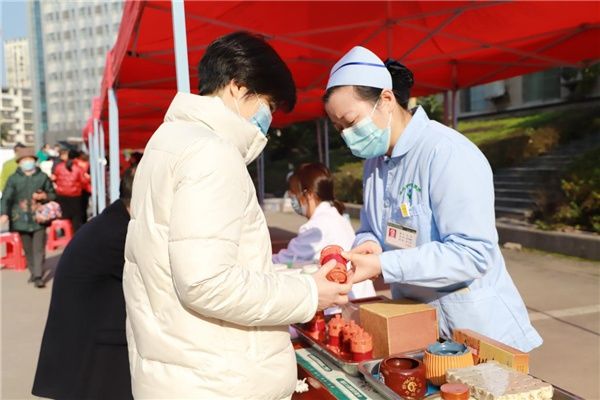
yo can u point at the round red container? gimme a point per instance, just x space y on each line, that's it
339 273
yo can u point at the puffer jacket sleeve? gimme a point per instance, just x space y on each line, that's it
209 202
49 188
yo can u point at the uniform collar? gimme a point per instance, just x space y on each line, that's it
323 207
228 125
411 133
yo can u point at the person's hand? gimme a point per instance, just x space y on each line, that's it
367 247
365 266
331 293
40 196
3 219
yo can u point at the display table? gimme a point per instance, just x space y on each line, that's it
328 382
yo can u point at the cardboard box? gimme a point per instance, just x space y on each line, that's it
485 349
399 326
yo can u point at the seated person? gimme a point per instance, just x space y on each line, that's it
311 192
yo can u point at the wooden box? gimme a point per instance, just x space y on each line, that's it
485 349
399 326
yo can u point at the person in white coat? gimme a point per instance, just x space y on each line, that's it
207 316
312 194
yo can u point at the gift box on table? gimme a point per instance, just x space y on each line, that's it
399 326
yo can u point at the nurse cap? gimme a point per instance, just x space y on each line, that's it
360 67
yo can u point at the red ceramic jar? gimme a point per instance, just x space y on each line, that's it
405 376
339 273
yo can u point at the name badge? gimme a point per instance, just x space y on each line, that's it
400 236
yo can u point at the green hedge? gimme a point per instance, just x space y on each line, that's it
579 203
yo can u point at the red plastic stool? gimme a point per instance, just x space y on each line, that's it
14 258
53 242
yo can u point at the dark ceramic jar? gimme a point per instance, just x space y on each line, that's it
405 376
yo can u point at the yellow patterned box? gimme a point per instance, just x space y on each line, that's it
485 349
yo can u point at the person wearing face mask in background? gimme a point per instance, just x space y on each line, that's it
207 315
312 195
427 223
26 188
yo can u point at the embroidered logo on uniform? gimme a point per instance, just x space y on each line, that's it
409 189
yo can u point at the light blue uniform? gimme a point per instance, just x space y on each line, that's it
457 265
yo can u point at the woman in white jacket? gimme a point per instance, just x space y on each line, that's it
207 317
312 193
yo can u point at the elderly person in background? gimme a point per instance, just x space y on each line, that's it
25 190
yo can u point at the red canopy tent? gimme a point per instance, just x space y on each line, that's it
448 45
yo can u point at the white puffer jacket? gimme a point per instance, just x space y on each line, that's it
206 315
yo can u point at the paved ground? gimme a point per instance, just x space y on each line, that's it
563 295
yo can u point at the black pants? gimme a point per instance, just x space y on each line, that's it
85 199
34 244
71 209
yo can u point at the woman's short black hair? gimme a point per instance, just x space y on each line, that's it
250 61
402 81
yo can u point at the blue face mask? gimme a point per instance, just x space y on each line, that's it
298 208
262 118
367 140
27 165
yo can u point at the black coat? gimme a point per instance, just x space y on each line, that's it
84 349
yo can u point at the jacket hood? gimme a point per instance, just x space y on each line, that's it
212 112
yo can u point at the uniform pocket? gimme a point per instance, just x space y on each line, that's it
481 310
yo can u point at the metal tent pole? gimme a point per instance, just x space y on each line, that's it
319 144
113 142
93 169
180 39
326 137
454 109
101 168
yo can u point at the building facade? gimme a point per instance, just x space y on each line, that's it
16 123
16 59
549 87
71 41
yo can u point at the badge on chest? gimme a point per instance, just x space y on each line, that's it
400 236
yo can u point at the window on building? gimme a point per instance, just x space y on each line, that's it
65 14
116 27
82 11
98 9
98 30
83 32
541 86
67 35
100 50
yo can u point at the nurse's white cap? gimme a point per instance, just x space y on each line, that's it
360 67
